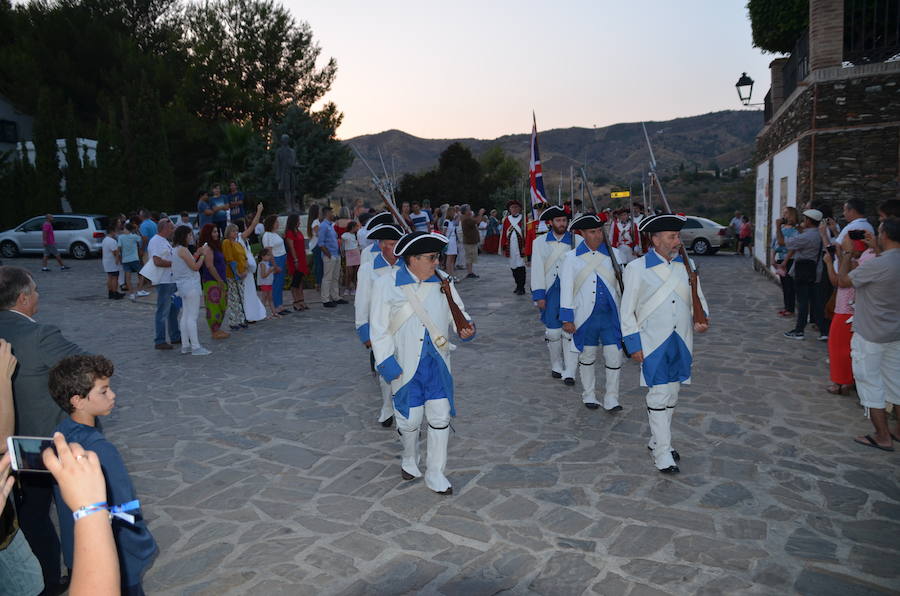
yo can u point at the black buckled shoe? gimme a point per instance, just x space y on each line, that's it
569 381
406 475
447 492
670 470
555 374
387 423
591 406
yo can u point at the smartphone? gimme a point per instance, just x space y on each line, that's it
831 250
857 234
25 453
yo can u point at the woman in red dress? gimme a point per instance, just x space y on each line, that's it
297 267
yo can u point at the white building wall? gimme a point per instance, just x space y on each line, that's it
761 219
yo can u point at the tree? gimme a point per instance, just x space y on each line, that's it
499 170
73 171
251 60
321 158
46 162
777 24
147 150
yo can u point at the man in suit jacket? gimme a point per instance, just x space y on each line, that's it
37 347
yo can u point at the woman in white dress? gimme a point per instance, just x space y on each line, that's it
253 306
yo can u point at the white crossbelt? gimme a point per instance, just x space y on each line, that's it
414 306
558 251
670 284
595 263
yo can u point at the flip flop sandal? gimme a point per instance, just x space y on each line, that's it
870 442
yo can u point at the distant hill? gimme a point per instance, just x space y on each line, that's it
617 152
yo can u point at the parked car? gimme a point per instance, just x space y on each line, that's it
78 235
704 236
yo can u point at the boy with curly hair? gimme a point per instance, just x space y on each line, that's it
80 386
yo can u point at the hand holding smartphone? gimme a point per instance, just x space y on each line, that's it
25 453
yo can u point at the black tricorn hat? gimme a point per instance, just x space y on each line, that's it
420 243
667 222
586 222
386 232
383 217
553 212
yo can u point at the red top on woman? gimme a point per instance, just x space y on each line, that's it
299 244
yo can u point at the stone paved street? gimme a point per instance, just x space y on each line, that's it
262 469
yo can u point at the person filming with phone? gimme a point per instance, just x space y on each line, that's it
37 347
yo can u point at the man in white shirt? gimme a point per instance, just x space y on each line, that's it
160 251
855 214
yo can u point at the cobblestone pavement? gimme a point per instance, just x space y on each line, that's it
262 468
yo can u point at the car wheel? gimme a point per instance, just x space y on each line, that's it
9 250
700 246
79 251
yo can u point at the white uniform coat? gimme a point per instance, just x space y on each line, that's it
365 278
545 249
577 304
660 324
397 354
367 254
512 229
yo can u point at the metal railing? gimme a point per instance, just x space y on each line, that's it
871 31
797 67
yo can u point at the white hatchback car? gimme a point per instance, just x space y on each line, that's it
76 234
704 236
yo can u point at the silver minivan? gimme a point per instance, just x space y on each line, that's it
78 235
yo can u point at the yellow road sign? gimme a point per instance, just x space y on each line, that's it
622 194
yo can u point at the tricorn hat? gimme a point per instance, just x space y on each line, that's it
386 232
667 222
420 243
383 217
586 222
552 212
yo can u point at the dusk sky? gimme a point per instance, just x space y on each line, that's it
477 69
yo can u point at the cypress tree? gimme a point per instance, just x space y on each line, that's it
73 173
46 197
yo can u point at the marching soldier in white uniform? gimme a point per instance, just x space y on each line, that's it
409 318
658 328
513 243
370 252
547 255
384 263
589 309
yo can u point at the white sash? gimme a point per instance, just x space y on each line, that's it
594 263
437 336
558 251
670 284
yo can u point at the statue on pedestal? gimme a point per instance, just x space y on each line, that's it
285 174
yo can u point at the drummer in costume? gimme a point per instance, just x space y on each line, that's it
409 319
589 308
658 326
369 253
383 264
547 257
512 241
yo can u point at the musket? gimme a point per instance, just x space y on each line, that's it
617 268
696 304
572 199
384 191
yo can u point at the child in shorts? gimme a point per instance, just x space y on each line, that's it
109 250
80 386
265 274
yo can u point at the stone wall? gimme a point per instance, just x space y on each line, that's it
848 131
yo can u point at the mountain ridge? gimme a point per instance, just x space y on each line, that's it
617 151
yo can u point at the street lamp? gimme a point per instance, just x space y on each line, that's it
744 88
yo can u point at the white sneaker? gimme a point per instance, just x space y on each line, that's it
186 349
201 351
142 293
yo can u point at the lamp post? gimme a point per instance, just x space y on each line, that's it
744 88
